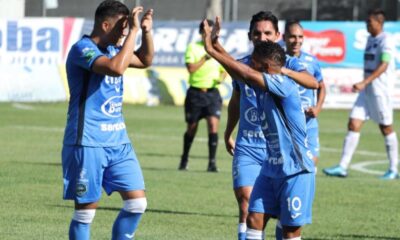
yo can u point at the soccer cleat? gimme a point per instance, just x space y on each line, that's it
212 168
183 164
336 171
389 175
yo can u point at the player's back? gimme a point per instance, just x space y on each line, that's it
286 129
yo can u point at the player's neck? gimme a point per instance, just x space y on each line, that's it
98 39
293 54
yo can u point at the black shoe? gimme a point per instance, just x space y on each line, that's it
212 168
183 165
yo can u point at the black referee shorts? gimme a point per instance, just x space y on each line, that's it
201 103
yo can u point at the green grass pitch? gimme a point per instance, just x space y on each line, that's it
181 205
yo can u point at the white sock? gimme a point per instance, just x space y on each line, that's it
392 151
252 234
242 227
296 238
349 146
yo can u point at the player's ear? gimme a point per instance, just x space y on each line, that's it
105 25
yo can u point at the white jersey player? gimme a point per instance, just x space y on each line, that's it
374 100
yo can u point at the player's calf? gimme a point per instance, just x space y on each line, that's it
128 219
80 224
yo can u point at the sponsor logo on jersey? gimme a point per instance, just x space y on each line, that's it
275 160
328 46
295 215
112 107
251 116
130 236
112 127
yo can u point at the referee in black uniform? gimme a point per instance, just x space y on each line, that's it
202 100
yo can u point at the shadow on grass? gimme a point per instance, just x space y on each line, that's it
352 236
160 211
173 156
55 164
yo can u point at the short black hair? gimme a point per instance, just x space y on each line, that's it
201 25
264 16
378 14
270 50
290 23
110 8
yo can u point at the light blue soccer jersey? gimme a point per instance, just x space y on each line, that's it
309 96
284 128
95 106
249 129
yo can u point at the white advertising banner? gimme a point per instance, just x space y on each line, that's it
31 52
339 83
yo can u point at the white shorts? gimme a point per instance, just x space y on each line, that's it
377 107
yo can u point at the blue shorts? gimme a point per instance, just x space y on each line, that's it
313 141
290 199
246 165
87 169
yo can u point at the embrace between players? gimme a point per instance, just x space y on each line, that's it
273 171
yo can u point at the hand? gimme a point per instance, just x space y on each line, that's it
147 21
312 112
206 36
216 29
359 86
284 71
230 145
134 18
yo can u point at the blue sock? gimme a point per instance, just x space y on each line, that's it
125 225
242 236
278 231
79 231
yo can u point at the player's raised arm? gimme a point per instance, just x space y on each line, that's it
143 57
236 69
117 65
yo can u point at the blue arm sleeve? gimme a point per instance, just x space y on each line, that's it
279 85
85 54
293 63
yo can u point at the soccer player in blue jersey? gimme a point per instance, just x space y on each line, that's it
311 100
96 149
285 186
249 149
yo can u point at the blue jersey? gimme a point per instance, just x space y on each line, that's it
309 96
285 128
249 130
95 106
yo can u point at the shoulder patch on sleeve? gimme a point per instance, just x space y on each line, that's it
88 53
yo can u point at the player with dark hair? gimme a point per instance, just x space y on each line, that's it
375 98
96 150
311 100
202 100
285 185
249 149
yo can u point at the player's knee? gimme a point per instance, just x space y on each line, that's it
84 215
136 205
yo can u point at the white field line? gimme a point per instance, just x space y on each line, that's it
198 139
361 166
23 106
